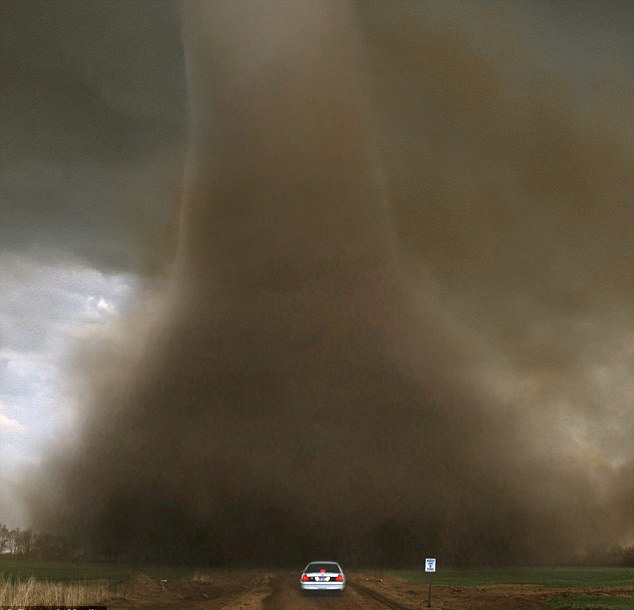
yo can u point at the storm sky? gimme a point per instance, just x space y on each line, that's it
504 136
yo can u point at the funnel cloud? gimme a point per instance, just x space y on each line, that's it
399 318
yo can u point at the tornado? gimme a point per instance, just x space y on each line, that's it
302 394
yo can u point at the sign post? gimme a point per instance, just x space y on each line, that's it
430 566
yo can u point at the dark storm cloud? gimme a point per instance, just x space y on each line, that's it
92 129
395 329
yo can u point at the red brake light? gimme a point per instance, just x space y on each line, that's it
304 577
339 577
322 571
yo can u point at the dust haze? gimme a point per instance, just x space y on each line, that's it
399 319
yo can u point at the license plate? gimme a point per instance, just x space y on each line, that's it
323 578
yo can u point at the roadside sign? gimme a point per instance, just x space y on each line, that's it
430 566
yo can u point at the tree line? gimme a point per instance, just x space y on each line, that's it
33 545
28 544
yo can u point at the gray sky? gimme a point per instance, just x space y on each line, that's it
506 130
92 124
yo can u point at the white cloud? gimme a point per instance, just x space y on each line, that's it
47 313
8 425
104 306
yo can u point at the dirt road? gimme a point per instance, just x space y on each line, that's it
286 594
280 591
245 591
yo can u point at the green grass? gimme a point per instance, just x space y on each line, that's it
591 602
74 571
573 577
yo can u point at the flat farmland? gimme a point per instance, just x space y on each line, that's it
83 570
145 587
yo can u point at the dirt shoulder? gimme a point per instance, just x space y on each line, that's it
494 597
279 590
244 589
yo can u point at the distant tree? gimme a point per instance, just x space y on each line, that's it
46 546
628 555
25 542
5 538
14 544
39 545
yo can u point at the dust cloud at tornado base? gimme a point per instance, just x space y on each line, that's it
383 229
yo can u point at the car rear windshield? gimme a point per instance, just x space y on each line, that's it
317 567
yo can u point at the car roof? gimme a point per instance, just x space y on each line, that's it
334 563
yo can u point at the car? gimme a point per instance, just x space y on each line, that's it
323 576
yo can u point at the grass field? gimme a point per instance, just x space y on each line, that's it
75 571
553 577
34 592
58 581
591 602
32 582
573 577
